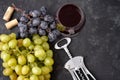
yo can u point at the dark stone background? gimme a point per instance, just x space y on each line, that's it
98 41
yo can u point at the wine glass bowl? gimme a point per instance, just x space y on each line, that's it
72 18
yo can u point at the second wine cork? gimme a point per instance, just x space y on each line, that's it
8 13
11 24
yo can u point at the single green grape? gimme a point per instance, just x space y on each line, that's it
40 54
60 27
25 69
5 57
4 38
12 43
5 47
36 70
45 46
47 76
5 64
12 62
41 77
38 41
31 47
45 70
35 36
18 69
30 58
13 76
26 42
48 61
20 42
7 71
49 53
21 60
44 38
34 77
12 36
51 68
20 77
4 52
37 47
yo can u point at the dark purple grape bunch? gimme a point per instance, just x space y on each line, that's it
38 22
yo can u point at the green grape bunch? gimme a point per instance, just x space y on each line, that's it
26 59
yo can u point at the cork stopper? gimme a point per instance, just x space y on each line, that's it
8 13
11 24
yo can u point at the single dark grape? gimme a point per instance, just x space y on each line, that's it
42 32
44 25
36 21
56 32
20 24
43 10
51 36
35 13
53 25
49 18
32 30
23 34
24 19
23 28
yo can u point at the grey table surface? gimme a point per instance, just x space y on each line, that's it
98 41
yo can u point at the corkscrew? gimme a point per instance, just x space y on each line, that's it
75 65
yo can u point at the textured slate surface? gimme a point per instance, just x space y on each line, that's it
98 41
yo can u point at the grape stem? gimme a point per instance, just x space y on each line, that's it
18 50
20 10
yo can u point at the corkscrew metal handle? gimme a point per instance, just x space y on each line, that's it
64 46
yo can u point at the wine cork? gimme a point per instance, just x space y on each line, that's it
8 13
11 24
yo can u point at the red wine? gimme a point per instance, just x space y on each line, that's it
69 15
